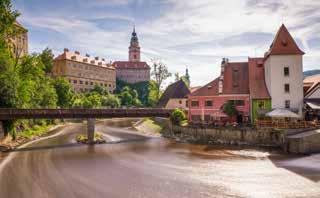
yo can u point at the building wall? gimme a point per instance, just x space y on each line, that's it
275 80
255 106
218 102
133 75
180 103
84 76
19 43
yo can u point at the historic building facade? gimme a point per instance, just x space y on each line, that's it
274 81
134 70
84 72
19 43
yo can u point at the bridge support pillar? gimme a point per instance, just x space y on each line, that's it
90 130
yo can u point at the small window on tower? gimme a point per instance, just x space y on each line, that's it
286 71
134 56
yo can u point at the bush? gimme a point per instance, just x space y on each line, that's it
178 117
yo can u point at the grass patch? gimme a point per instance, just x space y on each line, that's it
149 126
35 131
98 138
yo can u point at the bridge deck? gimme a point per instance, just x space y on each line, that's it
10 114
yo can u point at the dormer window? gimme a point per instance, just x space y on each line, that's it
286 71
73 57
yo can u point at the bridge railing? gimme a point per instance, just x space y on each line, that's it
7 114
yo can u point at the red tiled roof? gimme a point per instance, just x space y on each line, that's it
193 89
311 81
232 84
283 44
76 56
210 89
257 84
130 65
236 84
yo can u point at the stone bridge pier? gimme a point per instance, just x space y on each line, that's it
90 130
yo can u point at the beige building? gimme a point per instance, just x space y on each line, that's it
84 72
134 70
19 43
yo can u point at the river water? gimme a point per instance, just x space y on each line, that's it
141 166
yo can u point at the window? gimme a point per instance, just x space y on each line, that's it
87 83
91 83
261 105
180 102
81 82
75 81
186 103
194 103
286 71
287 104
235 77
208 103
286 88
237 102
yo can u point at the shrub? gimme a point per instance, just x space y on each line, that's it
177 116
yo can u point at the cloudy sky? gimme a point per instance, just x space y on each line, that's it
181 33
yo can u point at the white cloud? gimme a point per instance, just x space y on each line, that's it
190 33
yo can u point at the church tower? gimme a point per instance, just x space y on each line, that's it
134 48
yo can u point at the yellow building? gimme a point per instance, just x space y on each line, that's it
84 72
19 43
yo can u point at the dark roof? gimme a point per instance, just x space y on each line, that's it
283 44
178 89
257 84
210 89
130 65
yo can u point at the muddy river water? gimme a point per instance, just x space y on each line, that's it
140 166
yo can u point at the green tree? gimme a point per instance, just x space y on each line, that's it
110 101
8 17
100 90
64 92
46 57
177 117
230 109
160 73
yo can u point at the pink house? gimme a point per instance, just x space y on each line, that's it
232 85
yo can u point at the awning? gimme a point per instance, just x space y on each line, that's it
282 113
313 105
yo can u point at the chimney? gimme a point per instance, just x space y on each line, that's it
65 50
97 58
87 55
77 52
224 62
73 57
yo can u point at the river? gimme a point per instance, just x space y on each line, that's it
140 166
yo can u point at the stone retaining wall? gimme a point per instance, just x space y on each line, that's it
243 136
304 143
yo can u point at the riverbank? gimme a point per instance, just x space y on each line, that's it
28 135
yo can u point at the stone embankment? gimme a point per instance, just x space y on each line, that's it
235 136
304 143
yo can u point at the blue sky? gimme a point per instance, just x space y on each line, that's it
181 33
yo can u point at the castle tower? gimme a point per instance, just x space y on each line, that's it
134 48
283 72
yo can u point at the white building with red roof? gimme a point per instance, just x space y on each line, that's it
134 70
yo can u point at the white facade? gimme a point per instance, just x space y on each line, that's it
276 79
